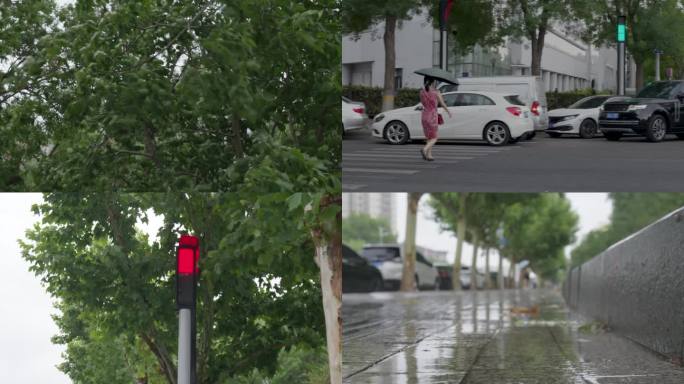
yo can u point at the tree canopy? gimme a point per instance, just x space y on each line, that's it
167 95
359 229
258 296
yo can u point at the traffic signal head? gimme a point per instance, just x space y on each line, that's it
621 30
187 259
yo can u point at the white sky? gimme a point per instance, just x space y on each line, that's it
27 356
593 209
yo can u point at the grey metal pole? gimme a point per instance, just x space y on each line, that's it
657 66
184 345
443 51
621 69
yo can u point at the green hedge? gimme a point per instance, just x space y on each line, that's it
407 97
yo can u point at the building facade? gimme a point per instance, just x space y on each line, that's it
377 205
567 63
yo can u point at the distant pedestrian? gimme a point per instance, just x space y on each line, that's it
431 99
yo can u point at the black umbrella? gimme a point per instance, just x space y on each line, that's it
439 74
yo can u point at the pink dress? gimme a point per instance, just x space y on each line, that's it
429 115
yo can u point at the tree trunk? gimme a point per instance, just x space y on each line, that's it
511 273
390 57
473 266
408 281
488 282
639 75
500 276
460 233
329 260
537 42
163 357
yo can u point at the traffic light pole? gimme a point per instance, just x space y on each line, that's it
184 345
621 37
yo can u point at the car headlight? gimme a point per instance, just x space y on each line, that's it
636 107
569 117
601 108
378 118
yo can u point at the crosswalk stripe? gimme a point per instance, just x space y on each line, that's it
402 156
374 170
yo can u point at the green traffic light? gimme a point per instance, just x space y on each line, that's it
621 33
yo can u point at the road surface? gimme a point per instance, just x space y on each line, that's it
567 164
474 338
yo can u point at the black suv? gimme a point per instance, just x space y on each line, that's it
654 112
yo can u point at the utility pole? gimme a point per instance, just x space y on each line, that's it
187 274
621 37
444 10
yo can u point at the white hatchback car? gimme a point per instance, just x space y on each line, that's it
388 259
353 115
581 118
496 118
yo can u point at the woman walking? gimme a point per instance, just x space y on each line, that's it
431 98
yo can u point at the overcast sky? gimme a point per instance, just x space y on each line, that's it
593 210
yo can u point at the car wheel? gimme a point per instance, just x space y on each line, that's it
554 134
657 128
612 136
396 132
496 133
531 135
587 129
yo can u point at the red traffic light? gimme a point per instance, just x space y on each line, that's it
188 255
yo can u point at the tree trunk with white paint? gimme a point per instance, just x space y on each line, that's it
473 267
408 281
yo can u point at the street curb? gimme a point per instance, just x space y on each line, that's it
637 287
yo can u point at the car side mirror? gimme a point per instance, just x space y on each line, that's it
419 108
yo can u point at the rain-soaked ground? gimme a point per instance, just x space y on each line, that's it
487 337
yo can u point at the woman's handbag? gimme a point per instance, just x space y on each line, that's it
440 119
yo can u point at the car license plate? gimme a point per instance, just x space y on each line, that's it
612 115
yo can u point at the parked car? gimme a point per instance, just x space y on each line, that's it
580 118
530 89
357 274
654 112
388 258
353 115
497 118
445 272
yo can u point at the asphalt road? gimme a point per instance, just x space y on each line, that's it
567 164
475 338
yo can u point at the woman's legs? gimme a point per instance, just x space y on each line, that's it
428 147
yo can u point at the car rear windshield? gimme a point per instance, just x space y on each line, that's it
589 102
514 99
380 253
660 90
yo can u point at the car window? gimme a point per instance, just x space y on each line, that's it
346 100
522 90
422 259
659 89
483 100
380 253
514 99
348 253
589 102
450 99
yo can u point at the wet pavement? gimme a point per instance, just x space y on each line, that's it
475 338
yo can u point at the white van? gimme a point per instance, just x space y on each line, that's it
530 89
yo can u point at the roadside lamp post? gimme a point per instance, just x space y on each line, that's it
187 274
444 10
657 52
621 38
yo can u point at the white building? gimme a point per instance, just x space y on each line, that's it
377 205
567 63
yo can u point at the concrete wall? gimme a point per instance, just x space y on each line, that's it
637 287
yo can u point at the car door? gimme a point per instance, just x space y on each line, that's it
678 118
424 270
350 273
462 124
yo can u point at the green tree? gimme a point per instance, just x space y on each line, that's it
174 95
651 24
450 209
359 229
359 15
258 293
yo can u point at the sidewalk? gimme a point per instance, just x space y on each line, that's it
472 337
